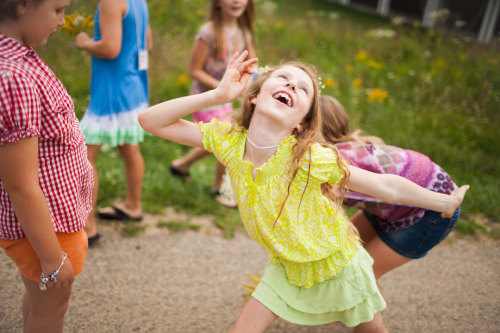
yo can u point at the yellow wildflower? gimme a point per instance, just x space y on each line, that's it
349 68
182 79
279 25
357 82
250 288
362 55
329 83
376 94
75 23
374 64
440 63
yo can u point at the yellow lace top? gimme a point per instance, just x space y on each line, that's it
309 239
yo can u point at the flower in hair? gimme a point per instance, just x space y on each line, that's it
321 85
263 70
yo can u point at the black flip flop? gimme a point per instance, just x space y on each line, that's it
92 240
177 173
118 214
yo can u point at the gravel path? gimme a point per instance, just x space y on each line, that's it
191 281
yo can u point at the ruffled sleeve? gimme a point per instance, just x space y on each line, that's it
324 167
219 140
20 109
205 34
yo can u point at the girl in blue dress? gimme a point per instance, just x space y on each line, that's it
118 93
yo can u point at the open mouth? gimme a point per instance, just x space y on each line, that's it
284 98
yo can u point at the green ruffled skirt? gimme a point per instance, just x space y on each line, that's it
351 296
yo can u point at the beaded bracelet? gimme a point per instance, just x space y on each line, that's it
51 277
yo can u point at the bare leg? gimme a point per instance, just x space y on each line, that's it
91 227
134 171
184 163
25 307
254 318
43 311
364 227
374 326
385 259
219 173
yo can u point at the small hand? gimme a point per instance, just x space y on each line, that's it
81 40
65 277
237 74
458 195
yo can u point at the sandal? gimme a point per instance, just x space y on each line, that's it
214 193
229 203
178 173
118 214
92 240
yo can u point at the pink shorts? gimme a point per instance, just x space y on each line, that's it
20 251
221 112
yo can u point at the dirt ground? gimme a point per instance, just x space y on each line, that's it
192 281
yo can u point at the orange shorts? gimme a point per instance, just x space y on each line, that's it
20 251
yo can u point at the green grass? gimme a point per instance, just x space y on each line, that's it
131 229
178 226
443 94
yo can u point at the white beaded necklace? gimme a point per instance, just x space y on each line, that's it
261 147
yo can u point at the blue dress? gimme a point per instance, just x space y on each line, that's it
118 89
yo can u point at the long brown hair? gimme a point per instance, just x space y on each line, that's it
310 133
335 124
245 24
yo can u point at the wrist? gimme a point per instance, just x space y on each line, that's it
222 97
49 265
215 97
53 276
447 203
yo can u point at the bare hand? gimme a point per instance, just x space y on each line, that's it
81 40
458 195
237 74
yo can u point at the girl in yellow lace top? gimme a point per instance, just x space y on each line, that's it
289 184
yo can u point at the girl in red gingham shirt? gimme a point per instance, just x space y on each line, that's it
45 176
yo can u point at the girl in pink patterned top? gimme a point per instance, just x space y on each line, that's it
393 234
45 176
229 30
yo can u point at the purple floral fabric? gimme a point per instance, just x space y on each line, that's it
393 160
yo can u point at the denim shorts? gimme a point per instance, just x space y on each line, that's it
416 240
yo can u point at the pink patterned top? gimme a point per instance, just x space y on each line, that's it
407 163
234 40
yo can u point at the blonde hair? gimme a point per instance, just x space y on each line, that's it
245 24
335 124
310 133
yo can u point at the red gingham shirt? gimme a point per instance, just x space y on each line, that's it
33 102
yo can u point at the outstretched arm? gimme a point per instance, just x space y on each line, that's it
393 188
165 119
